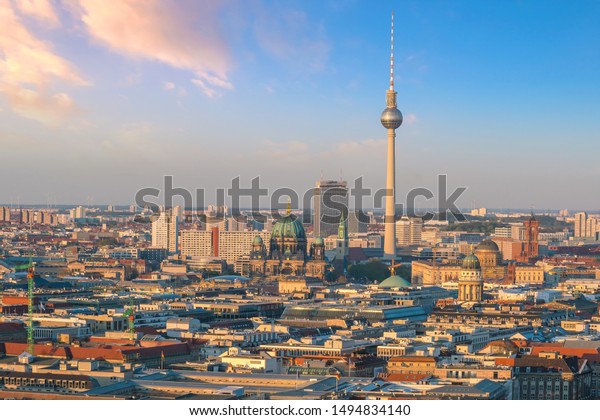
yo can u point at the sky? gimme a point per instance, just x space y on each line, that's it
101 99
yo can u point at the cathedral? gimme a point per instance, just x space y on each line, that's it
288 253
492 268
470 283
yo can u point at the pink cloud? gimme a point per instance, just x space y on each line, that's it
183 35
28 67
43 10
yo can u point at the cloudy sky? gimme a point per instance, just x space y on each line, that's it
99 99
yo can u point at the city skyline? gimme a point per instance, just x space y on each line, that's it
96 116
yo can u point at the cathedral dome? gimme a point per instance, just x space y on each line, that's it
257 240
319 241
393 282
487 245
288 227
471 262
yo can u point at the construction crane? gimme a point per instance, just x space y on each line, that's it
30 287
130 318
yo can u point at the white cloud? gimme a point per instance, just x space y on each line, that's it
410 118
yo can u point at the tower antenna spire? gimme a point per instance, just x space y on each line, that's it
392 55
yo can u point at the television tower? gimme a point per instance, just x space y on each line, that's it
391 118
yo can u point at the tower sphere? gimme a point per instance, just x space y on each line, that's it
391 118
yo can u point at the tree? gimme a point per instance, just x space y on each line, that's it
372 270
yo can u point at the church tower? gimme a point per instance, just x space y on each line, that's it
342 249
470 283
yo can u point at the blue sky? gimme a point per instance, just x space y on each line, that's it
99 101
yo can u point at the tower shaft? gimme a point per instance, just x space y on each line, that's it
389 247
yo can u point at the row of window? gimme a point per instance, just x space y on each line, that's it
41 382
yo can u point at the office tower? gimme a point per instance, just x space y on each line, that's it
225 245
591 227
391 118
356 224
586 227
330 198
165 232
580 221
408 231
4 214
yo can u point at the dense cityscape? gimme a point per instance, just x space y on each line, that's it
325 301
504 306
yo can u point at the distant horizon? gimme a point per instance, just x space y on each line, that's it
466 211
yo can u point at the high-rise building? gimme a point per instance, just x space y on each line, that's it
580 221
27 216
408 231
4 214
331 198
78 212
391 118
225 245
196 243
586 227
357 223
591 227
165 232
517 232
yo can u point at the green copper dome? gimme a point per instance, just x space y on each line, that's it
257 240
471 262
393 282
288 227
319 241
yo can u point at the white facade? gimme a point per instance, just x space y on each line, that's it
196 243
230 246
165 232
408 231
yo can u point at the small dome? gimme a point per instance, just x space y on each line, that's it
391 118
289 227
471 262
487 245
257 240
319 241
393 282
